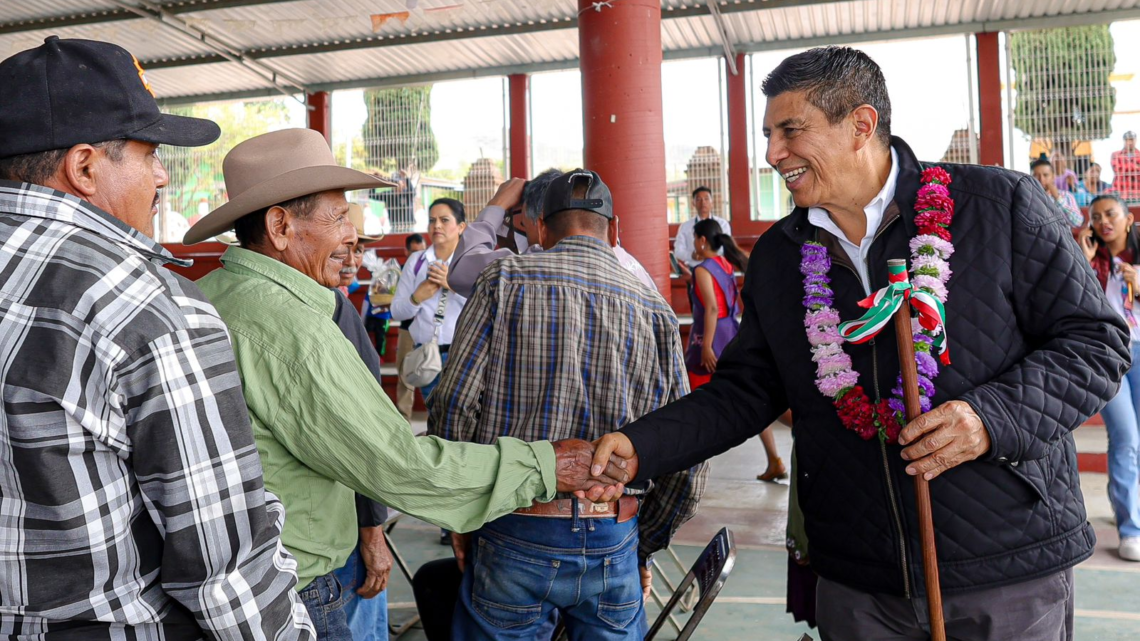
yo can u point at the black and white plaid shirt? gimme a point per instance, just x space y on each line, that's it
131 497
566 343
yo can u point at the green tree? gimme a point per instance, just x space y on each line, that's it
196 172
1063 90
398 132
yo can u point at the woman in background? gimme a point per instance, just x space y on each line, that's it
1112 248
715 302
423 294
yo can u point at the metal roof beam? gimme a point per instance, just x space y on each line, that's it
353 44
698 10
282 83
686 54
725 39
115 15
193 6
462 33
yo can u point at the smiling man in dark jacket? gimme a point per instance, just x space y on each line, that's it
1036 351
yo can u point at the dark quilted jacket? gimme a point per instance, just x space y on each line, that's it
1036 350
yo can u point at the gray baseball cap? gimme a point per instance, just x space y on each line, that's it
560 194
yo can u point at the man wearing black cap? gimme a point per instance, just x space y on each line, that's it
563 343
129 480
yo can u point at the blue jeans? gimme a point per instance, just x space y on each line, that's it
1121 422
521 570
324 599
367 618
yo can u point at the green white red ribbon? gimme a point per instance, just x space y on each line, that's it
882 305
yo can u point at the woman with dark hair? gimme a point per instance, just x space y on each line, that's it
1042 170
423 294
715 301
1112 247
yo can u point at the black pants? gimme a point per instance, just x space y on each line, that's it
436 587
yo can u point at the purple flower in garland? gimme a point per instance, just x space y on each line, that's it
815 261
835 375
899 407
822 291
817 301
927 366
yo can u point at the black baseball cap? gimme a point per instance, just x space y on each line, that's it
68 92
560 194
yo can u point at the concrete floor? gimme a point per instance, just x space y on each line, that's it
751 606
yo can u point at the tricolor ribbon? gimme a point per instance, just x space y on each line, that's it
882 305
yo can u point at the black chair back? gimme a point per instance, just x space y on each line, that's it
710 573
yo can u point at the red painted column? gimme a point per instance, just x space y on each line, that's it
520 127
739 173
992 148
320 113
620 51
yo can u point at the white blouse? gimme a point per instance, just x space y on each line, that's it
424 314
1115 290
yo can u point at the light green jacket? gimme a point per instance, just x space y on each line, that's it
324 427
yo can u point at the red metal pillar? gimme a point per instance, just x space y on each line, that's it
739 172
991 147
520 129
320 113
620 51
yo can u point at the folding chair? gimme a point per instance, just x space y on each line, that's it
389 525
709 573
661 578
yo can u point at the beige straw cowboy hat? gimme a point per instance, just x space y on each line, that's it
356 217
275 167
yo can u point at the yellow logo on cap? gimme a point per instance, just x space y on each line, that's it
142 76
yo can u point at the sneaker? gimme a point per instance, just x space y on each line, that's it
1130 548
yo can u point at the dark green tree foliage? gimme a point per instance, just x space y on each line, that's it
397 131
1063 92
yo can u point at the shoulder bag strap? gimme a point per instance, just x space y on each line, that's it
440 310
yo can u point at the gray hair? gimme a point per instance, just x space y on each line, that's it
535 191
836 80
38 167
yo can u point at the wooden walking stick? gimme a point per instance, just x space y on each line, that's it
909 369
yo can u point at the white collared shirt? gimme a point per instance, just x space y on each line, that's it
683 245
423 325
874 210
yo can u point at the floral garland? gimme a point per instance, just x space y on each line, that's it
929 270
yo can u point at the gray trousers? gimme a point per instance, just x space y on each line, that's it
1036 610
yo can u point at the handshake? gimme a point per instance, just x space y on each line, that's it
595 471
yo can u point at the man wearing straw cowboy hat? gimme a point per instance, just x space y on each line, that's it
323 425
1036 350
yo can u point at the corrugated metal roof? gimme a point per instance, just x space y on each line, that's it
334 43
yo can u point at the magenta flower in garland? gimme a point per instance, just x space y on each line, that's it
929 272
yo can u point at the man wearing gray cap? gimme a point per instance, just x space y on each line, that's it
130 486
563 343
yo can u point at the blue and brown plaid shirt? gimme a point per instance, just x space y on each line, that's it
131 496
566 343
